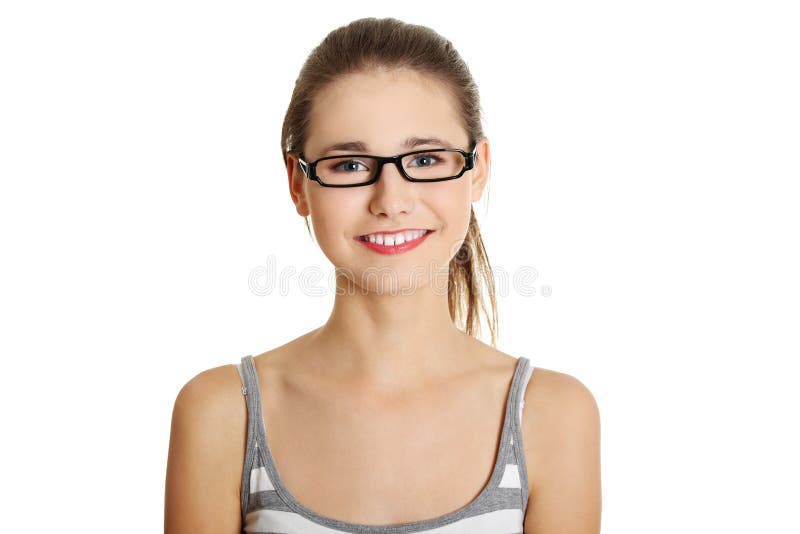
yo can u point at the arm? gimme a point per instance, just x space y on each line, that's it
206 454
561 429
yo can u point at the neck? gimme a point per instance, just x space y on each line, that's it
388 339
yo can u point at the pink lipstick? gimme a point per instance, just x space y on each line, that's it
393 249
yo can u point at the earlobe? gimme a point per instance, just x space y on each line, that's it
478 186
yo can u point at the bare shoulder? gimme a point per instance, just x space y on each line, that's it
214 398
561 434
560 393
206 454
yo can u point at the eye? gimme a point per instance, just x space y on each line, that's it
425 160
351 165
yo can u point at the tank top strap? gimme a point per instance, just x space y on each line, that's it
252 395
525 375
517 402
250 389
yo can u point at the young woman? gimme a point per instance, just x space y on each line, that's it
392 417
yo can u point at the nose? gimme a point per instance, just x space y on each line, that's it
392 193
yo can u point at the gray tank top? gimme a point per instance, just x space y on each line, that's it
269 508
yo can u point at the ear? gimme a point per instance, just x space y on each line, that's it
296 184
480 171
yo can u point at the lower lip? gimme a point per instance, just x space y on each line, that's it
395 249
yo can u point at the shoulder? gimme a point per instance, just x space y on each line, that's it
559 409
211 389
561 434
554 395
211 404
212 400
206 453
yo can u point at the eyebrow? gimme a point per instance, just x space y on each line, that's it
410 143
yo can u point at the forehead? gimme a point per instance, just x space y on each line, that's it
383 108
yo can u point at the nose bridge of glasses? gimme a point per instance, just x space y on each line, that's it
394 162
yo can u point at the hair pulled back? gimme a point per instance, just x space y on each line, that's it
371 43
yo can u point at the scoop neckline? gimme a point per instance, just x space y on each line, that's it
293 503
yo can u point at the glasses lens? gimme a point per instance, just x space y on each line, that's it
347 170
431 165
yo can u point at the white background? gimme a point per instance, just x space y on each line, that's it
645 164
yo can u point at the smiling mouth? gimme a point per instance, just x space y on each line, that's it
395 239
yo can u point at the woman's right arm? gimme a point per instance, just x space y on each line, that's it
206 454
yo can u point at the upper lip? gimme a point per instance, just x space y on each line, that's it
389 232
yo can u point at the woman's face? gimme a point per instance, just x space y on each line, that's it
382 109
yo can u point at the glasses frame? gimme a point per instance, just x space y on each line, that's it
310 169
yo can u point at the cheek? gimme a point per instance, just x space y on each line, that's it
452 201
451 204
332 214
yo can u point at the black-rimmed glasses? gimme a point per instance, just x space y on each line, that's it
353 170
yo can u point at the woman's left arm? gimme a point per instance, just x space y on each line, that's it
561 434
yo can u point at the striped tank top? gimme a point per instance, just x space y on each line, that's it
269 508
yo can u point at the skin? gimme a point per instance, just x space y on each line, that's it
341 400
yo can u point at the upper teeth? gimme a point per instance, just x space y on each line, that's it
395 239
